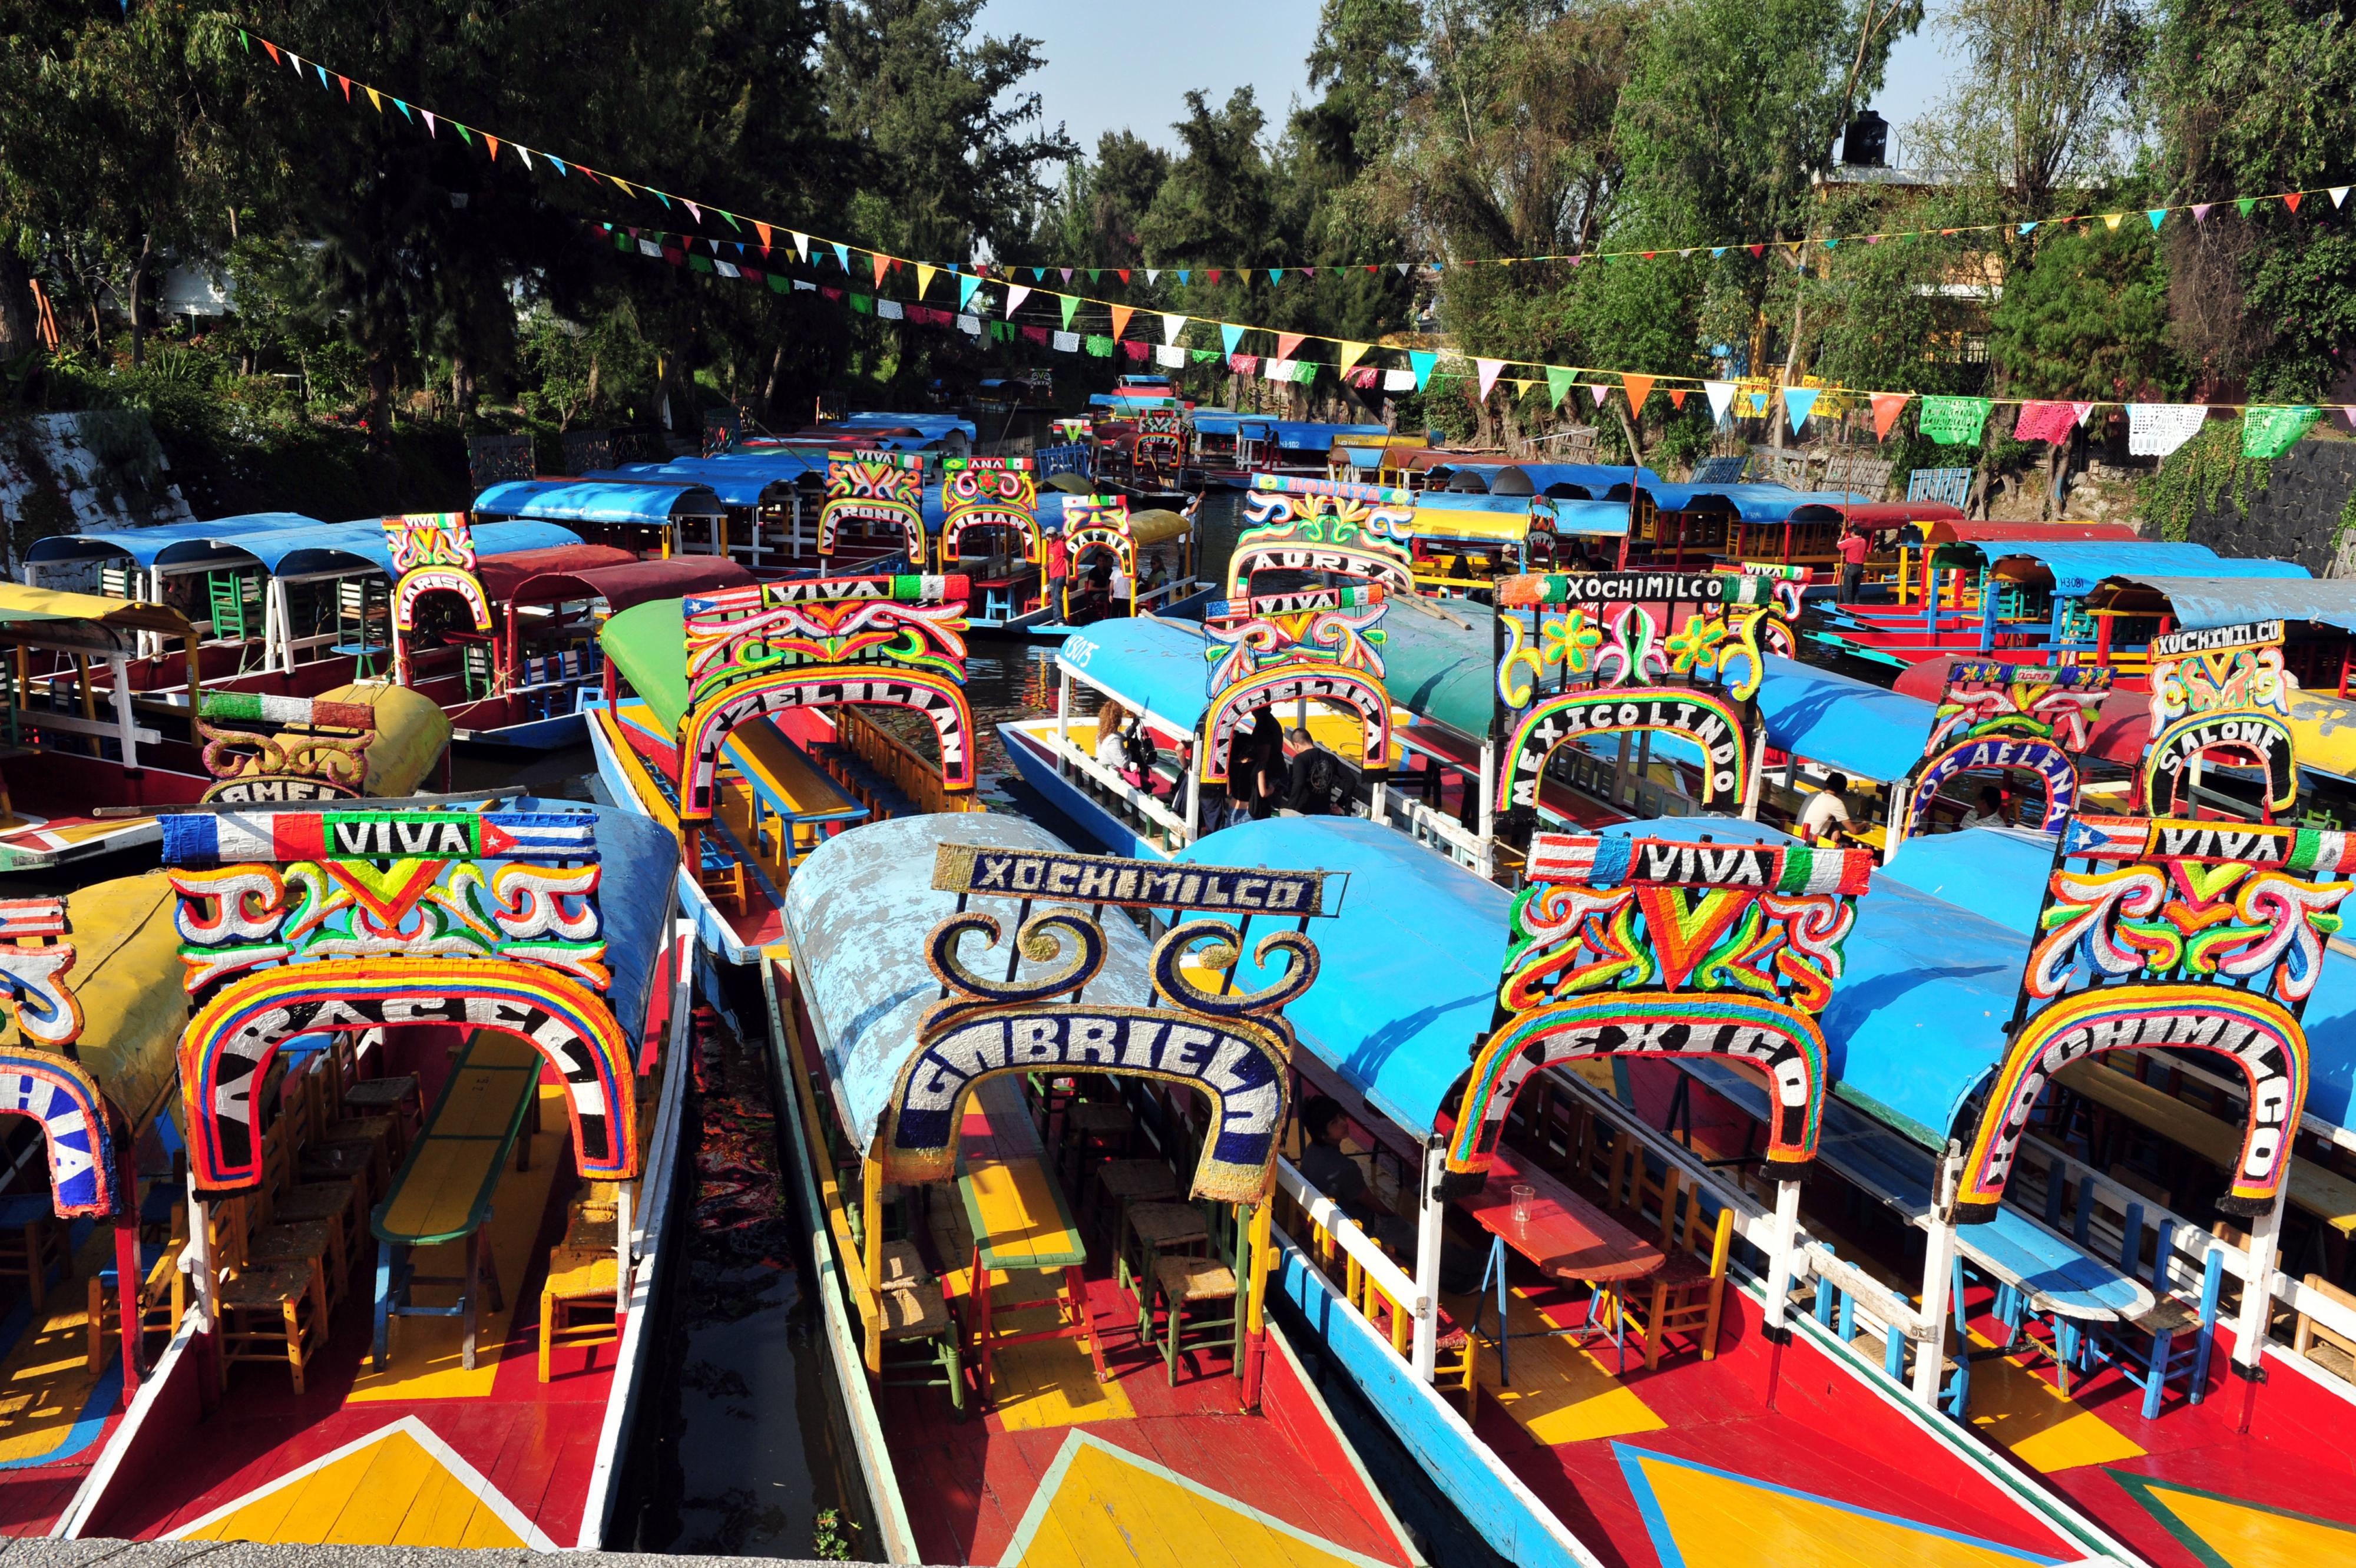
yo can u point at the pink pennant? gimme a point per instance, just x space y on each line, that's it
1488 371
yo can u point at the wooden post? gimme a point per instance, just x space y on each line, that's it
124 725
1255 1306
2257 1301
871 1263
1429 1229
89 698
130 1279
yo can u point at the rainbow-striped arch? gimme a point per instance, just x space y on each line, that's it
1286 682
56 1093
228 1046
2257 1032
710 722
1780 1039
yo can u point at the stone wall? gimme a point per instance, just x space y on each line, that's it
70 473
2296 517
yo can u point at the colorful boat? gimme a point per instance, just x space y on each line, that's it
1146 554
66 764
491 1006
990 534
94 1015
735 720
1594 1339
1021 1387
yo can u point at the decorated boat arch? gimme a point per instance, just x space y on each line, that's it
307 922
876 490
433 553
1997 718
1325 526
1667 946
1160 441
988 492
1310 645
2219 696
1594 654
820 642
351 741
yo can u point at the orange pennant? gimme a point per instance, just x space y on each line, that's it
1286 342
763 230
1639 389
883 266
1120 315
494 141
1678 397
1885 412
2290 198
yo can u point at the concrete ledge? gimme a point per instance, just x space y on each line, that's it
45 1553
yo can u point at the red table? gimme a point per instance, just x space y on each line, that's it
1566 1235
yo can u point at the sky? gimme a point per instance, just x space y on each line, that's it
1114 66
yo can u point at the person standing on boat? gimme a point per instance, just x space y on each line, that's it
1856 545
1259 772
1058 560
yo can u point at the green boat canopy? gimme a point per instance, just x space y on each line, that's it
648 643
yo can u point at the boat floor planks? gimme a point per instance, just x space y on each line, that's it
271 1462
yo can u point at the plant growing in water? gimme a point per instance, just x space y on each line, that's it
833 1539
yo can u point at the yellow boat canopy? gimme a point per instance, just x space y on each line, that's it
1157 526
411 733
126 976
1448 522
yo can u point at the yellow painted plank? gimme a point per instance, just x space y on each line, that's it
1112 1508
781 771
399 1468
1714 1518
1561 1393
1024 1219
2243 1536
1051 1383
441 1514
2024 1414
487 1530
265 1517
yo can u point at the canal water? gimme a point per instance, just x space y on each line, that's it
740 1447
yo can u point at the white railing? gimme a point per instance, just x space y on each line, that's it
1360 1248
1436 830
1144 804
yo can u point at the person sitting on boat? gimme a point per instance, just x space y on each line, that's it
1095 602
1825 819
1112 737
1156 573
1327 1168
1989 810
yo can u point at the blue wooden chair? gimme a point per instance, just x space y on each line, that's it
2171 1341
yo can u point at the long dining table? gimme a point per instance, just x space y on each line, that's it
1569 1239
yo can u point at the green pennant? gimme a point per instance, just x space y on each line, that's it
1559 381
1204 356
1099 345
244 42
624 242
2271 432
2246 204
862 304
780 284
1954 421
1071 303
1094 274
463 131
698 263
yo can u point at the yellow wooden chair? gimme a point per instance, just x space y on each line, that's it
163 1297
269 1311
1689 1292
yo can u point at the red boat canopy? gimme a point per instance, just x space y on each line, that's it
500 573
1898 514
1956 531
2122 729
633 581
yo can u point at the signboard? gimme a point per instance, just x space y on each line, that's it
2220 696
1129 883
988 492
1997 718
431 552
886 488
1326 526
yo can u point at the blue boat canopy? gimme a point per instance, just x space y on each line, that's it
1567 481
934 427
167 543
856 913
360 545
1757 503
1865 731
2199 602
599 500
1146 663
1438 661
2078 565
1227 421
739 480
1408 970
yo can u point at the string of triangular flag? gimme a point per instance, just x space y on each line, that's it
2154 429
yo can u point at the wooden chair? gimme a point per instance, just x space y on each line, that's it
269 1311
1125 1183
1148 1230
2324 1345
1688 1293
32 1241
1178 1285
163 1297
917 1318
580 1305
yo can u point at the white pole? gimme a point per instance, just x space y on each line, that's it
1488 808
2257 1291
1188 759
1063 718
1779 1262
1938 1266
198 1257
1428 1240
124 727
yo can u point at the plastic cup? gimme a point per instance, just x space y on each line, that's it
1524 1195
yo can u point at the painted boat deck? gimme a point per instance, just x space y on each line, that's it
2183 1490
423 1452
56 1416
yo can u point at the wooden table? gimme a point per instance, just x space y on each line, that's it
442 1192
1020 1220
2324 1194
1566 1237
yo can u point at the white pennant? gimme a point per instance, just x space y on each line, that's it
2339 193
525 153
1721 398
1597 391
1153 275
1487 369
1171 326
801 247
1016 293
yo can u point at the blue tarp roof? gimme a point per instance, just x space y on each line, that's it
1865 731
1435 666
1146 663
1598 481
1756 503
2206 601
168 543
1227 421
855 916
599 501
934 427
742 478
2078 565
286 544
1407 973
2000 873
1309 435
